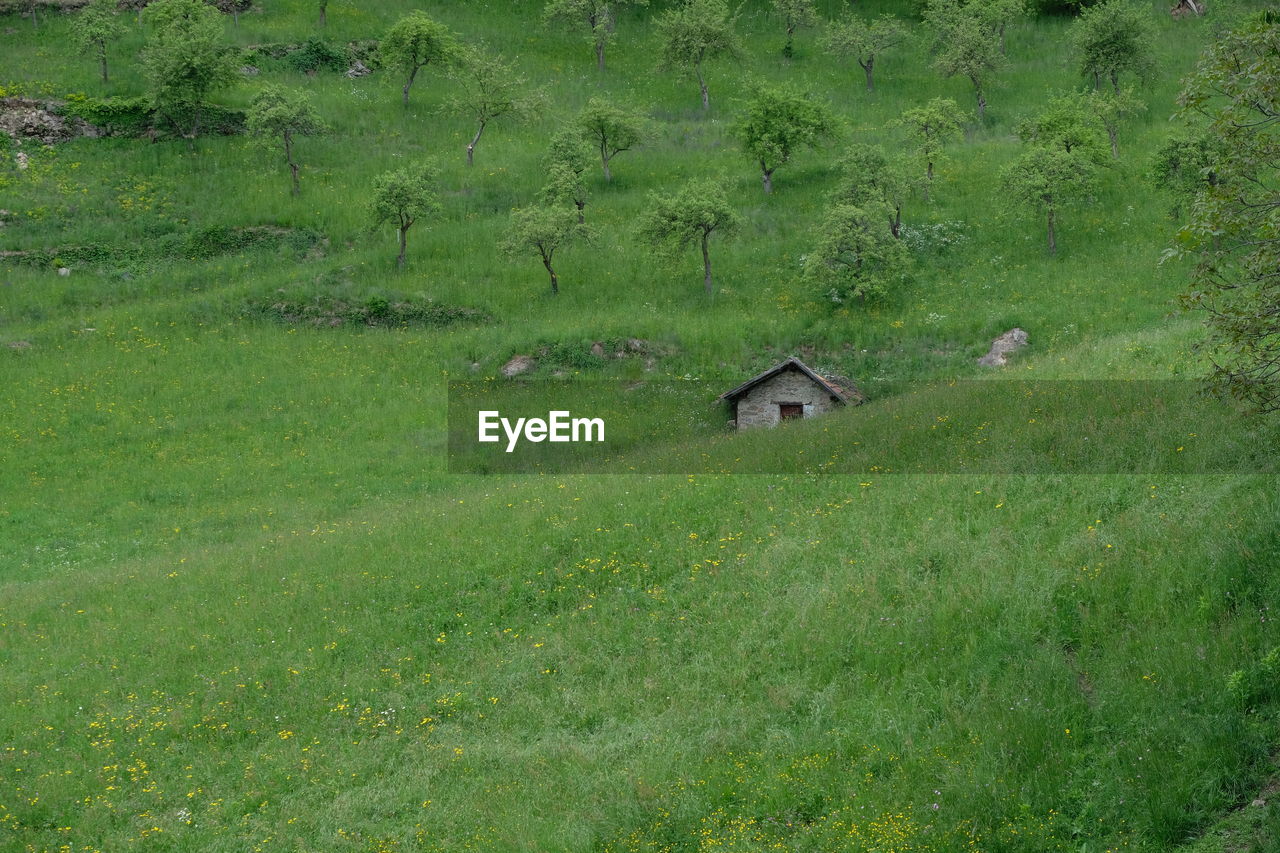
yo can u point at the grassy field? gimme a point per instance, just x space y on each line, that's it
245 605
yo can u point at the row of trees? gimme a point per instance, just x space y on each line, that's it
969 36
185 62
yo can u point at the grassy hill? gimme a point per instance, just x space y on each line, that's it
244 605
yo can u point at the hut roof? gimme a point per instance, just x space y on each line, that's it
844 395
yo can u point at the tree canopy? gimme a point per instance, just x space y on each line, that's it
852 37
184 61
596 19
610 130
403 197
689 217
777 122
1234 227
694 33
1110 39
414 42
280 113
95 26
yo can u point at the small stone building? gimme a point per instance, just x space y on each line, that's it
787 390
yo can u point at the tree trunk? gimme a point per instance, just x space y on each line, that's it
766 177
867 69
235 17
1115 149
1053 243
555 280
1115 81
409 83
702 84
1003 50
472 147
928 174
288 156
323 15
788 49
604 161
400 258
982 102
1097 82
102 60
706 263
895 227
581 205
599 56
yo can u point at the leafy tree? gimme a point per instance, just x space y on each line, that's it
849 36
542 231
1187 165
1068 123
794 14
1234 230
413 43
695 32
488 88
1110 39
931 127
1044 179
1112 110
184 61
857 257
777 122
595 17
998 14
869 177
690 217
95 26
969 47
404 196
279 113
611 130
568 158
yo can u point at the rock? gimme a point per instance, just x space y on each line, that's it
597 349
249 70
19 345
21 159
517 365
637 345
24 118
1011 341
1258 803
64 271
358 69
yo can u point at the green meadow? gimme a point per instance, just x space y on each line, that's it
246 603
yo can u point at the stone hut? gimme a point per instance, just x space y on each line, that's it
787 390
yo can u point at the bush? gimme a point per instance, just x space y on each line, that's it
116 115
326 311
316 54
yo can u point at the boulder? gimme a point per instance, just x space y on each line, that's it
518 364
358 69
1011 341
597 349
64 271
